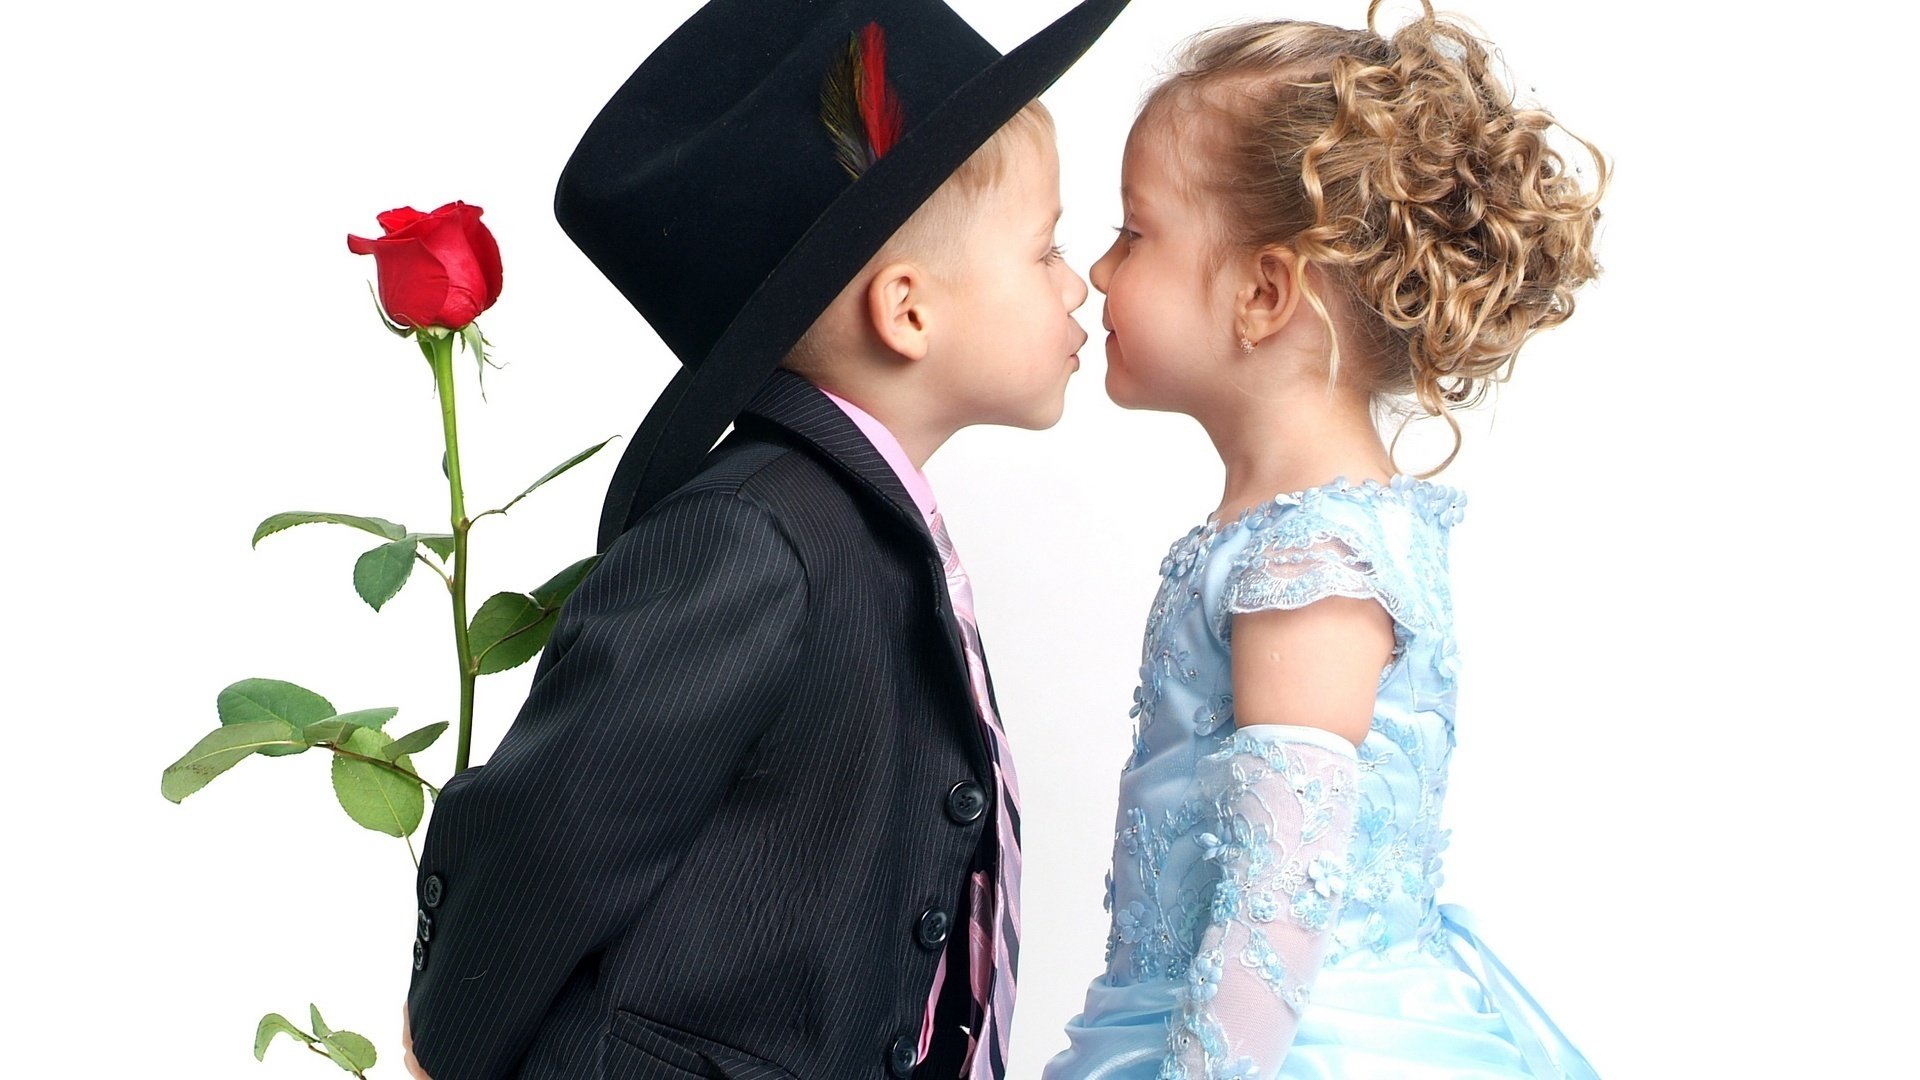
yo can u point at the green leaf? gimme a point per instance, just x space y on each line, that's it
334 729
350 1051
440 544
471 336
556 589
414 741
511 628
557 470
377 798
220 750
290 518
379 573
272 699
270 1025
507 631
370 718
320 1028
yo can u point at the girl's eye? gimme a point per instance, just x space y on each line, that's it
1055 252
1125 233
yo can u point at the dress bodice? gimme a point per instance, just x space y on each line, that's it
1370 540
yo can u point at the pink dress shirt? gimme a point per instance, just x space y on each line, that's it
911 478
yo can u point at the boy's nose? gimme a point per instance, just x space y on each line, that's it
1077 293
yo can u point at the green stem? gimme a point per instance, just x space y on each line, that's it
442 355
316 1049
390 766
437 572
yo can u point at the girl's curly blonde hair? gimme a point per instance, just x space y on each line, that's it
1401 167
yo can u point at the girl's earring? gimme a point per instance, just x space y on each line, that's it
1245 345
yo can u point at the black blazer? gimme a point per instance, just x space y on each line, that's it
728 833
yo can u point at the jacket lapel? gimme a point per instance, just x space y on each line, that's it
788 401
791 402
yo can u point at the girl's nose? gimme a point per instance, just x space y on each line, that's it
1102 270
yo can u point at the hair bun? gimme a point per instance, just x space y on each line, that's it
1479 231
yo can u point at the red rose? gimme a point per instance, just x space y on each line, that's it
438 269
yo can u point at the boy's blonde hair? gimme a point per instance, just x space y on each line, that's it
934 234
1403 170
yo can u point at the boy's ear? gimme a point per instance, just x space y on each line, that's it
897 308
1270 295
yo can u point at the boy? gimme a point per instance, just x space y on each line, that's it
757 817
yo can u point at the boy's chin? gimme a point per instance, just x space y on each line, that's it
1042 413
1044 418
1037 417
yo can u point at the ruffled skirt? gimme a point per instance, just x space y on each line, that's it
1410 1014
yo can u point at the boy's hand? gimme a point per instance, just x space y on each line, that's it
406 1043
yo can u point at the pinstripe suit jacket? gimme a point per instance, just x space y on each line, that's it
706 845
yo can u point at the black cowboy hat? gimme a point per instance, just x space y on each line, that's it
709 192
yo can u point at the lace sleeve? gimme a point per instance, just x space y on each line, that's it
1283 798
1301 557
1310 553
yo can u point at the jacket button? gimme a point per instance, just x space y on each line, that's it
901 1056
966 802
426 925
432 890
419 954
933 928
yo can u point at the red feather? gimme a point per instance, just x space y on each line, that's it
879 105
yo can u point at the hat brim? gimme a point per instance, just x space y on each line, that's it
703 398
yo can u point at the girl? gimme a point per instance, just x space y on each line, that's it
1318 221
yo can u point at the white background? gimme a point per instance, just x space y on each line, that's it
1685 604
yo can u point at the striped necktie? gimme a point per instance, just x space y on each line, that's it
995 925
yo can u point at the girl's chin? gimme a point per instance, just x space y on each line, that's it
1122 392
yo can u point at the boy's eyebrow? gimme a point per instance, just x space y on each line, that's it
1051 222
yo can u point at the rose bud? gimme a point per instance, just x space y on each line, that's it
438 269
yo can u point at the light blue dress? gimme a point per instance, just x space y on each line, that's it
1405 988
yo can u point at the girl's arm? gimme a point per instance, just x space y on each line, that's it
1282 790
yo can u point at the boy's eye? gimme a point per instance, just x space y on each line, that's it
1055 252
